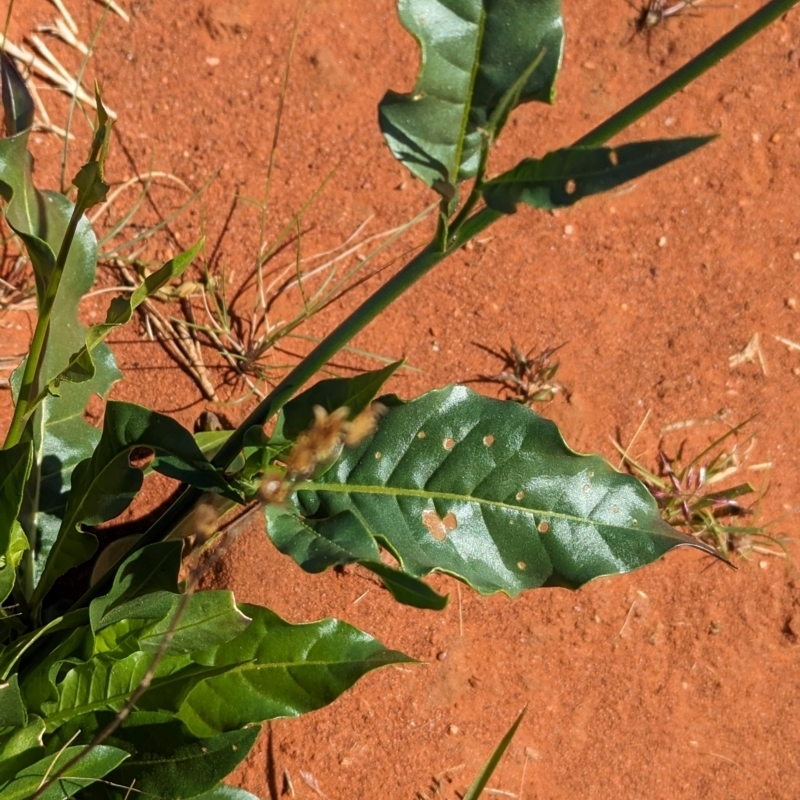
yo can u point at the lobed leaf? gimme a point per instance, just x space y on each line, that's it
484 490
473 54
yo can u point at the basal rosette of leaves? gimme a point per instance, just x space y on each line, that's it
144 682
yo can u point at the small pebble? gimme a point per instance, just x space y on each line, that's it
796 256
763 564
453 730
212 61
441 656
756 137
569 230
796 372
662 242
791 303
775 138
670 121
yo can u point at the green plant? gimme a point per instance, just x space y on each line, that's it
526 378
104 691
695 495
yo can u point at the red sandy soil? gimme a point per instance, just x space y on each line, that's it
677 681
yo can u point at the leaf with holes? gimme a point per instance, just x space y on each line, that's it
486 491
473 54
563 177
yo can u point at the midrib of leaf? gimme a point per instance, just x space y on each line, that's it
351 488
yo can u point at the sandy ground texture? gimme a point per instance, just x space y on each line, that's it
677 681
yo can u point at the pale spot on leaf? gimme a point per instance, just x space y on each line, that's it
543 527
435 525
448 443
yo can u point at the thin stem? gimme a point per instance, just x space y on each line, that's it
682 77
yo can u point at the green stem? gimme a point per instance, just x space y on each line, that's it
687 73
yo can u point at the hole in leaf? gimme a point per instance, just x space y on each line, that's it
140 457
435 525
543 527
421 435
521 564
570 186
488 440
378 455
448 443
450 521
520 494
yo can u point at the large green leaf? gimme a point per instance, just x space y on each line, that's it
280 670
95 764
165 760
104 485
110 665
473 53
60 435
563 177
486 491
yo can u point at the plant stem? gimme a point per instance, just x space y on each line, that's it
689 72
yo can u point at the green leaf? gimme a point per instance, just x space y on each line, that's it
80 366
473 54
479 784
96 764
318 547
60 435
154 568
280 670
18 108
165 760
486 491
21 748
13 713
104 485
15 465
565 176
355 393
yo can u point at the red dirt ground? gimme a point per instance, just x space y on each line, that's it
678 681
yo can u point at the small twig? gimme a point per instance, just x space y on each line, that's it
635 437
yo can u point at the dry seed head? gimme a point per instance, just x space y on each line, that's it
364 424
274 488
321 443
